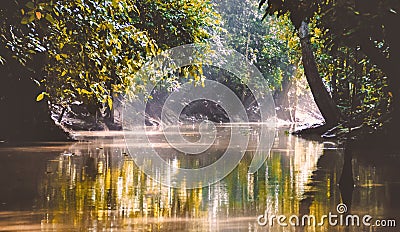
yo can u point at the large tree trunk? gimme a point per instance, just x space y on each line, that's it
322 98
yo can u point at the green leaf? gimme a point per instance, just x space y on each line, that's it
115 3
30 5
110 102
40 96
50 18
28 19
84 91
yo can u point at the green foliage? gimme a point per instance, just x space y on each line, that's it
357 85
94 49
355 46
16 42
256 39
172 23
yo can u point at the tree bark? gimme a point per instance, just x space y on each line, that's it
322 98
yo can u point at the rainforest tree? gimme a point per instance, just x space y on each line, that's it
358 50
88 51
245 32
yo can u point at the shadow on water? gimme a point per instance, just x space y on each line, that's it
96 185
346 182
368 184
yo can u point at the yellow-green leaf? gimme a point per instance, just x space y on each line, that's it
317 32
110 102
30 5
40 96
50 18
115 3
27 19
84 91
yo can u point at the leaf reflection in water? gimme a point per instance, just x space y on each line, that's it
97 186
103 187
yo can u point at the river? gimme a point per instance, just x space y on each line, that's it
95 185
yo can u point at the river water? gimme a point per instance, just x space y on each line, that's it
95 185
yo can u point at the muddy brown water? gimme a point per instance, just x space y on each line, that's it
94 185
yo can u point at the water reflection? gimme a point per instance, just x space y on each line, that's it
105 180
95 185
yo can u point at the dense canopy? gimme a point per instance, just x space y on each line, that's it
88 51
